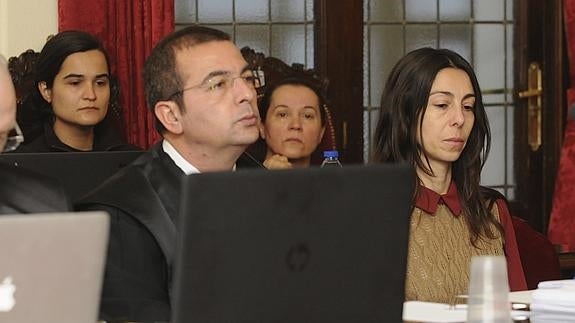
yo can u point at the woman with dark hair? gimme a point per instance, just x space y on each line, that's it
293 122
69 107
432 117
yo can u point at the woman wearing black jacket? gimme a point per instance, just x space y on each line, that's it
70 107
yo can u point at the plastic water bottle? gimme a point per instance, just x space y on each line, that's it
331 159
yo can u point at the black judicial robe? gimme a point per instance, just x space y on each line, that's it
24 191
143 202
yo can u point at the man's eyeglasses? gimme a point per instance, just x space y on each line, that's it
14 139
220 84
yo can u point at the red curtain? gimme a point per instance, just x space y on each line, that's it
562 222
129 30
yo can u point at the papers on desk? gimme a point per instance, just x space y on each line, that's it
521 297
415 311
554 301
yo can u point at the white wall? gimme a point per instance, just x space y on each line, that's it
26 24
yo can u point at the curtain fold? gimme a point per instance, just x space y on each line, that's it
562 222
129 30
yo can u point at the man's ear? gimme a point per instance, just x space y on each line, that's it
45 91
168 112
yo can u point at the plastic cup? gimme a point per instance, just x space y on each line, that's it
488 299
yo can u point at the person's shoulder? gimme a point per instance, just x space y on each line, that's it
114 145
493 197
107 138
131 178
119 180
129 195
490 194
38 145
247 161
125 147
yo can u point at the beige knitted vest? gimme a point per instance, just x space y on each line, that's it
440 253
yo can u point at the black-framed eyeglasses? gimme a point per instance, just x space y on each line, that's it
219 85
14 139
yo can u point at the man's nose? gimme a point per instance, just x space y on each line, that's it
244 91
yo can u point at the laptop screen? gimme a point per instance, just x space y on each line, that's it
306 245
52 266
77 172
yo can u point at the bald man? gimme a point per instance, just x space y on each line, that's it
22 191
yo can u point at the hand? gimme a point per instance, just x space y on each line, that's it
277 162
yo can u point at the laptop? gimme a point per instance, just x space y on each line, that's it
52 266
306 245
77 172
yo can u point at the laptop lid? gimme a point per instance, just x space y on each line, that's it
77 172
51 266
306 245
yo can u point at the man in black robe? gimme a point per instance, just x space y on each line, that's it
202 94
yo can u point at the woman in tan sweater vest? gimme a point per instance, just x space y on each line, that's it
432 117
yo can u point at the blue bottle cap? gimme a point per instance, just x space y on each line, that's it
330 154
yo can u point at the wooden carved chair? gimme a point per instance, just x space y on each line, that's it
270 70
22 71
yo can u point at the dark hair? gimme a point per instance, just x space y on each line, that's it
36 110
404 99
161 79
264 103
